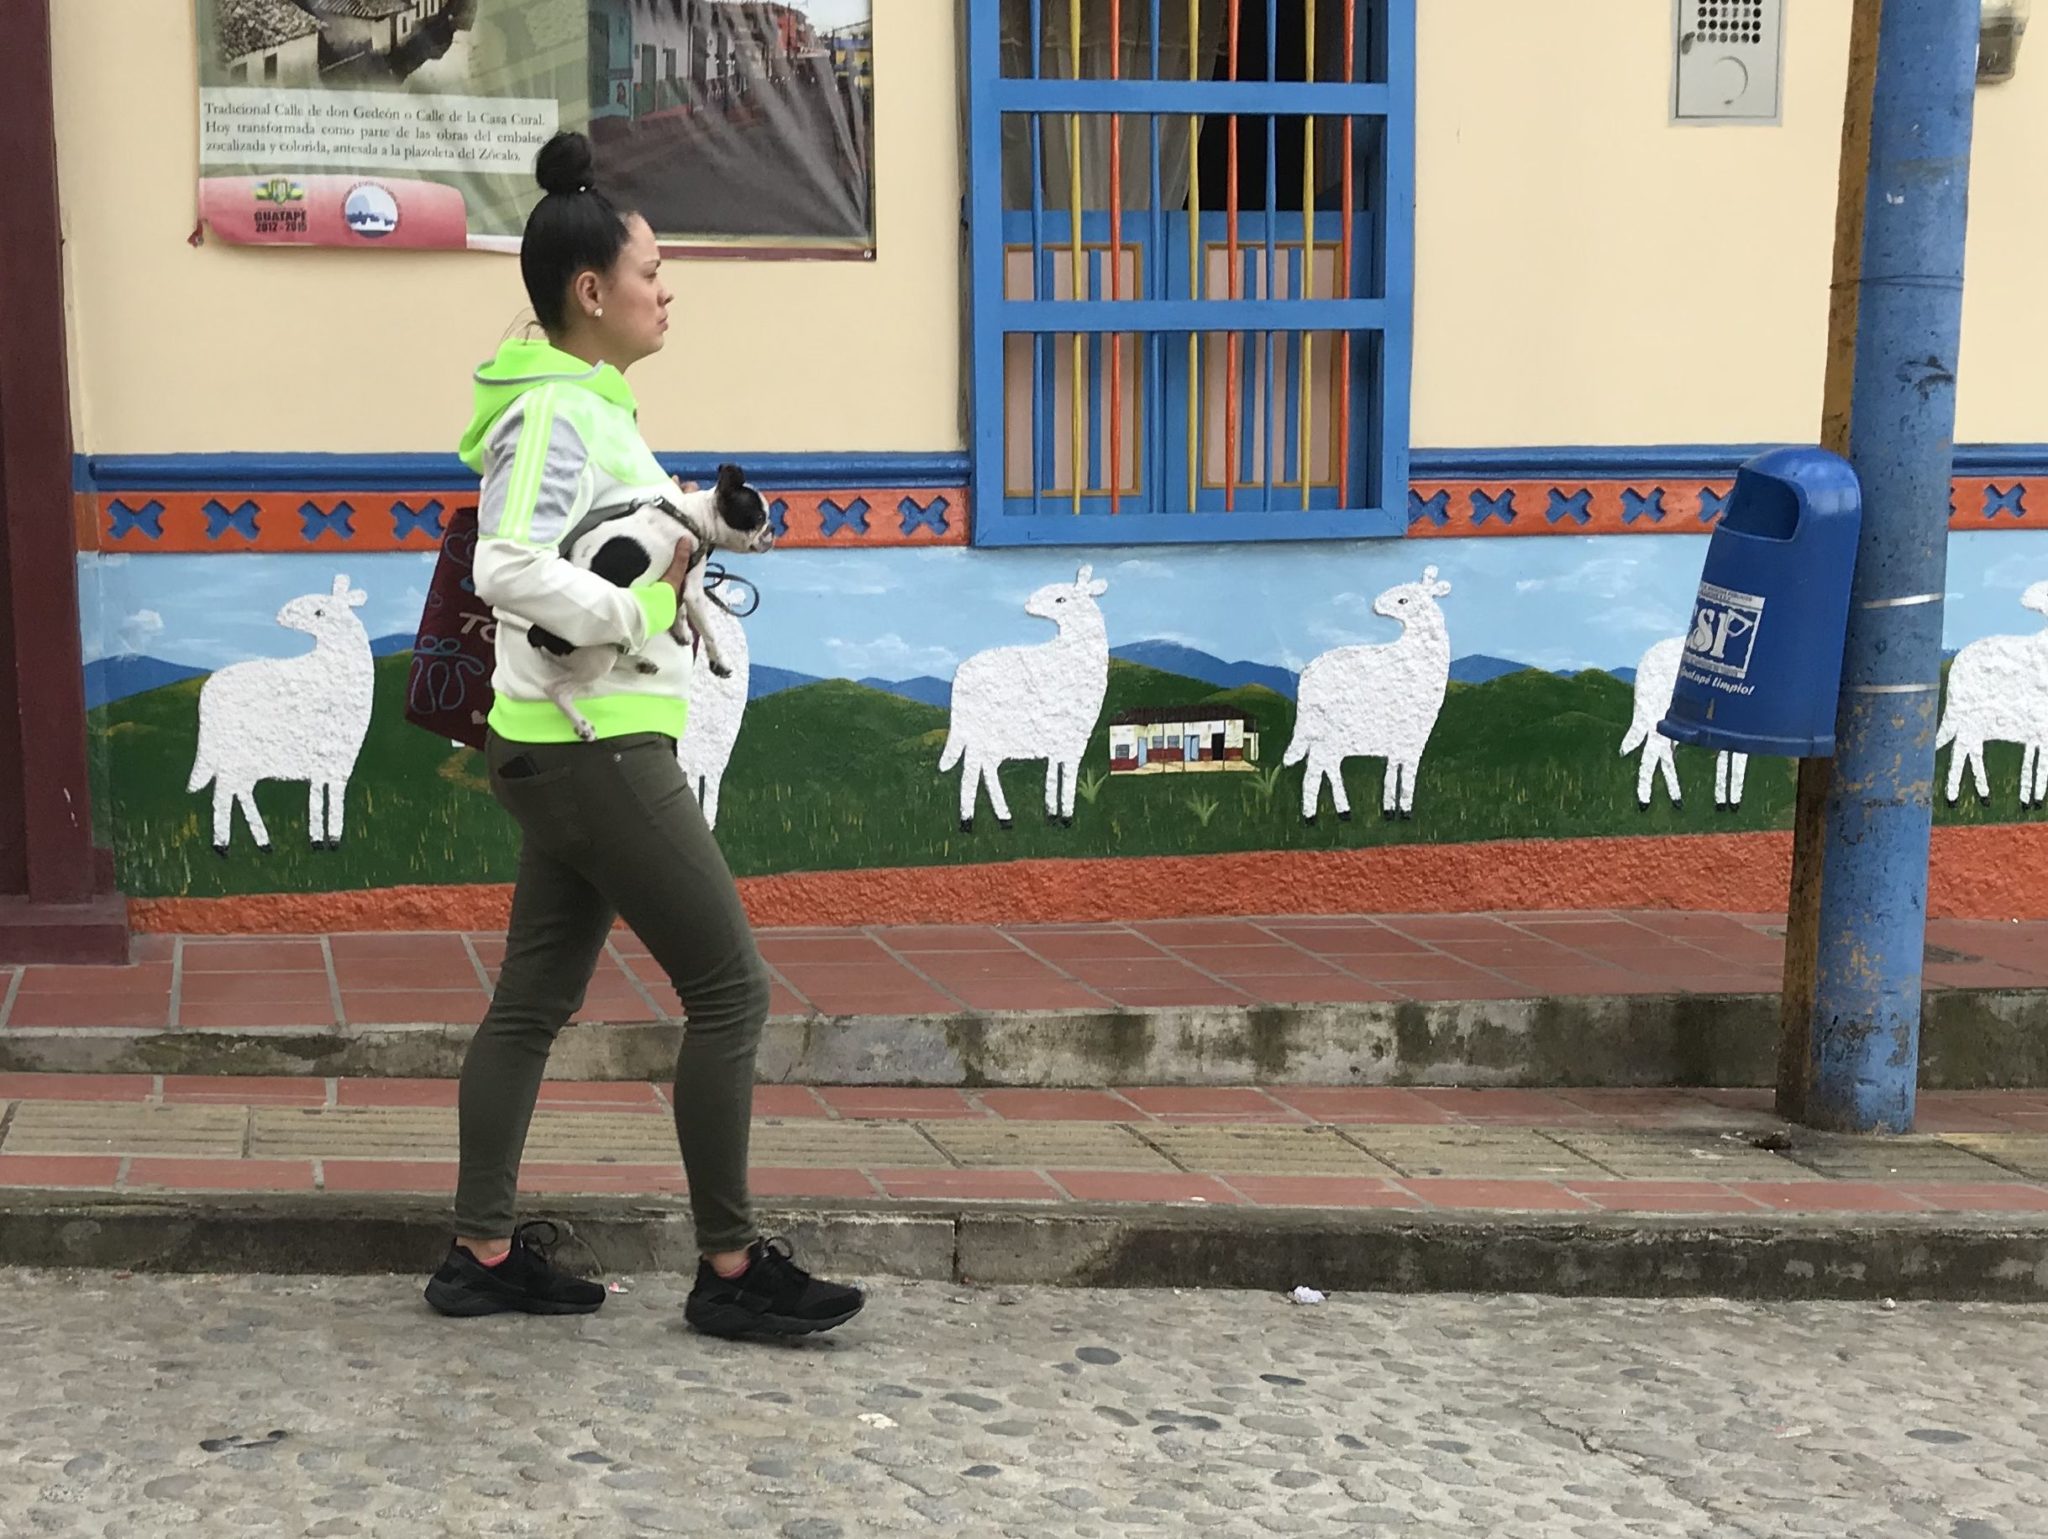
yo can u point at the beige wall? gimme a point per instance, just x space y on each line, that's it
177 349
1578 272
1577 276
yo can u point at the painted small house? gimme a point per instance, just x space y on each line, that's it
1156 740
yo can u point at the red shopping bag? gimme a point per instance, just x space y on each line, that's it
449 690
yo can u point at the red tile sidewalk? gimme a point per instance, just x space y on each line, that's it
199 982
1421 1150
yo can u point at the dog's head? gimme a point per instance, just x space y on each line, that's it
739 513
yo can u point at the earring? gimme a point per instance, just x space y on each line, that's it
599 312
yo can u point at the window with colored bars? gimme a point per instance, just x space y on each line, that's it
1190 242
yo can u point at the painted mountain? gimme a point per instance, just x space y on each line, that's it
924 688
115 678
1481 669
1189 662
765 679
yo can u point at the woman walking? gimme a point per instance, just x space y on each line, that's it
610 828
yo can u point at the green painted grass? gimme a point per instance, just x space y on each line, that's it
837 776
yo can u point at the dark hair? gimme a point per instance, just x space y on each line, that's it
572 229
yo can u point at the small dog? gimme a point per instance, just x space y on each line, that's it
625 548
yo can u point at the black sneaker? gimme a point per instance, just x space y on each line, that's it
526 1280
772 1297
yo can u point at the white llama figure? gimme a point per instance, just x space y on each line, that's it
1998 693
1656 678
2034 774
290 718
717 706
1378 702
1036 702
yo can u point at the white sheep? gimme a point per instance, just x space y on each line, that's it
290 718
1656 679
1378 702
1998 693
1037 702
717 706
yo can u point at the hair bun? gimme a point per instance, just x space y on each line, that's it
565 164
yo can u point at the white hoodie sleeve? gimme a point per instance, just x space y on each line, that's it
536 485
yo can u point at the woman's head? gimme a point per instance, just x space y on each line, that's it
593 272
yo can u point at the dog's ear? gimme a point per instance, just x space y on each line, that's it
730 479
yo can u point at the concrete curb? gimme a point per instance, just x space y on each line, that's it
1941 1257
1972 1039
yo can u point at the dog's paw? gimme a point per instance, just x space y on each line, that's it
720 671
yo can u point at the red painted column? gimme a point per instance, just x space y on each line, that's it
56 891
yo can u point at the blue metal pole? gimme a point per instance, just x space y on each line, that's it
1879 808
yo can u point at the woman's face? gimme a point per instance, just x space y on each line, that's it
634 300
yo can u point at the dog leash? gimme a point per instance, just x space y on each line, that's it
716 577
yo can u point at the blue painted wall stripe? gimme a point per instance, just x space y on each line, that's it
828 471
436 472
1637 462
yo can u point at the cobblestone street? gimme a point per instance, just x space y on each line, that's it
144 1406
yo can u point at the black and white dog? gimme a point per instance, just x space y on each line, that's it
624 547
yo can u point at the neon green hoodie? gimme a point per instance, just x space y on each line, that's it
555 439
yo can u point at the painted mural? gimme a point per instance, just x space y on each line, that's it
1998 693
1012 704
916 707
1377 702
293 718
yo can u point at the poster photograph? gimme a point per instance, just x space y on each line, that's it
736 127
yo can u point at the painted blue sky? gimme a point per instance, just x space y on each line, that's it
1550 602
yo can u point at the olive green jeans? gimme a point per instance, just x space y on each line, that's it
612 830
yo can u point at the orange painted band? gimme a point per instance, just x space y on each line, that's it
1995 872
347 522
1469 509
188 523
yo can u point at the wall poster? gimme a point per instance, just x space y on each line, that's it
737 127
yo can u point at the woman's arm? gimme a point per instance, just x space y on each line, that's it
534 467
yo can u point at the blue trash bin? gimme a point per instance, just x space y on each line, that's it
1763 655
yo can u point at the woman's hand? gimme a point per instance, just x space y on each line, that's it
686 547
679 565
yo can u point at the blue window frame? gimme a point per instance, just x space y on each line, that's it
1156 356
